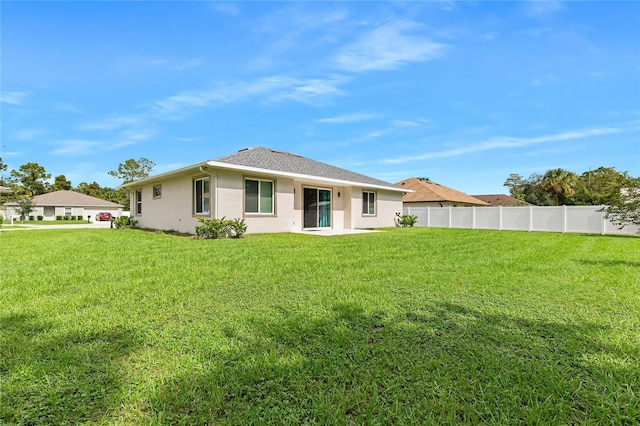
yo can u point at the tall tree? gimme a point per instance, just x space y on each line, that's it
624 209
599 186
132 169
61 183
31 177
3 166
559 182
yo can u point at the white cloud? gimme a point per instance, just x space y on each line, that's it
544 80
506 142
543 8
271 89
27 134
14 98
347 118
388 47
75 147
226 8
112 123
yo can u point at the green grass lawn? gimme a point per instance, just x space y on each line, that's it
409 326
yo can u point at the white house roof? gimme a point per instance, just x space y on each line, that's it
70 199
273 162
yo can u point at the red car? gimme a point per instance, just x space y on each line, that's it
103 216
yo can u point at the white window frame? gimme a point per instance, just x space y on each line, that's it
273 196
203 196
365 203
157 192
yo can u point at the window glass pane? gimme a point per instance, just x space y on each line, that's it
251 196
372 203
198 196
205 205
205 185
266 197
365 202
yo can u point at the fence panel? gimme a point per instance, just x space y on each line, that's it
576 219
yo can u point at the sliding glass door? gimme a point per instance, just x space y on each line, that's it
317 208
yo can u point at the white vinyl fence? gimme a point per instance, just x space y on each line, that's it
576 219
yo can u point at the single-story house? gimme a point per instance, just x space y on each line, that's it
273 191
501 200
423 192
67 203
4 190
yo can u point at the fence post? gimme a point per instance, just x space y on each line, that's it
530 218
428 217
499 218
473 217
450 214
564 219
603 222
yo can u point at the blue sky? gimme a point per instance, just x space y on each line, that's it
464 93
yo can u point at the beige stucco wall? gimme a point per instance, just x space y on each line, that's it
174 210
388 204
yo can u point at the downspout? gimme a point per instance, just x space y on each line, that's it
215 195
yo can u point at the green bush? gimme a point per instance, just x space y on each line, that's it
123 222
220 228
67 217
79 217
40 217
212 228
1 220
31 218
59 217
406 220
237 228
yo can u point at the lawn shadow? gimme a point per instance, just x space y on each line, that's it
610 263
51 376
435 364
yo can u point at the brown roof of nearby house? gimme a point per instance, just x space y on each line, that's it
71 199
426 190
501 200
4 189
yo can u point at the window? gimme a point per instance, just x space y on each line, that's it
157 191
368 203
67 211
201 196
138 202
258 196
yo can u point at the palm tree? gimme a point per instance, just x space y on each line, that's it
559 181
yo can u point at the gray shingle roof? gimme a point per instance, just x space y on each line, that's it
270 159
70 199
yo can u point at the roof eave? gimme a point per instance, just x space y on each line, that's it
302 176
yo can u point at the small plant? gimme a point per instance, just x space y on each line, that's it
31 218
58 217
212 228
1 220
406 220
67 217
40 218
123 222
79 217
237 228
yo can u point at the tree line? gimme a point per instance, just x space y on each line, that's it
32 179
601 186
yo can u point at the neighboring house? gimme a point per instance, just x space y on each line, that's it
67 203
273 191
4 190
426 193
501 200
